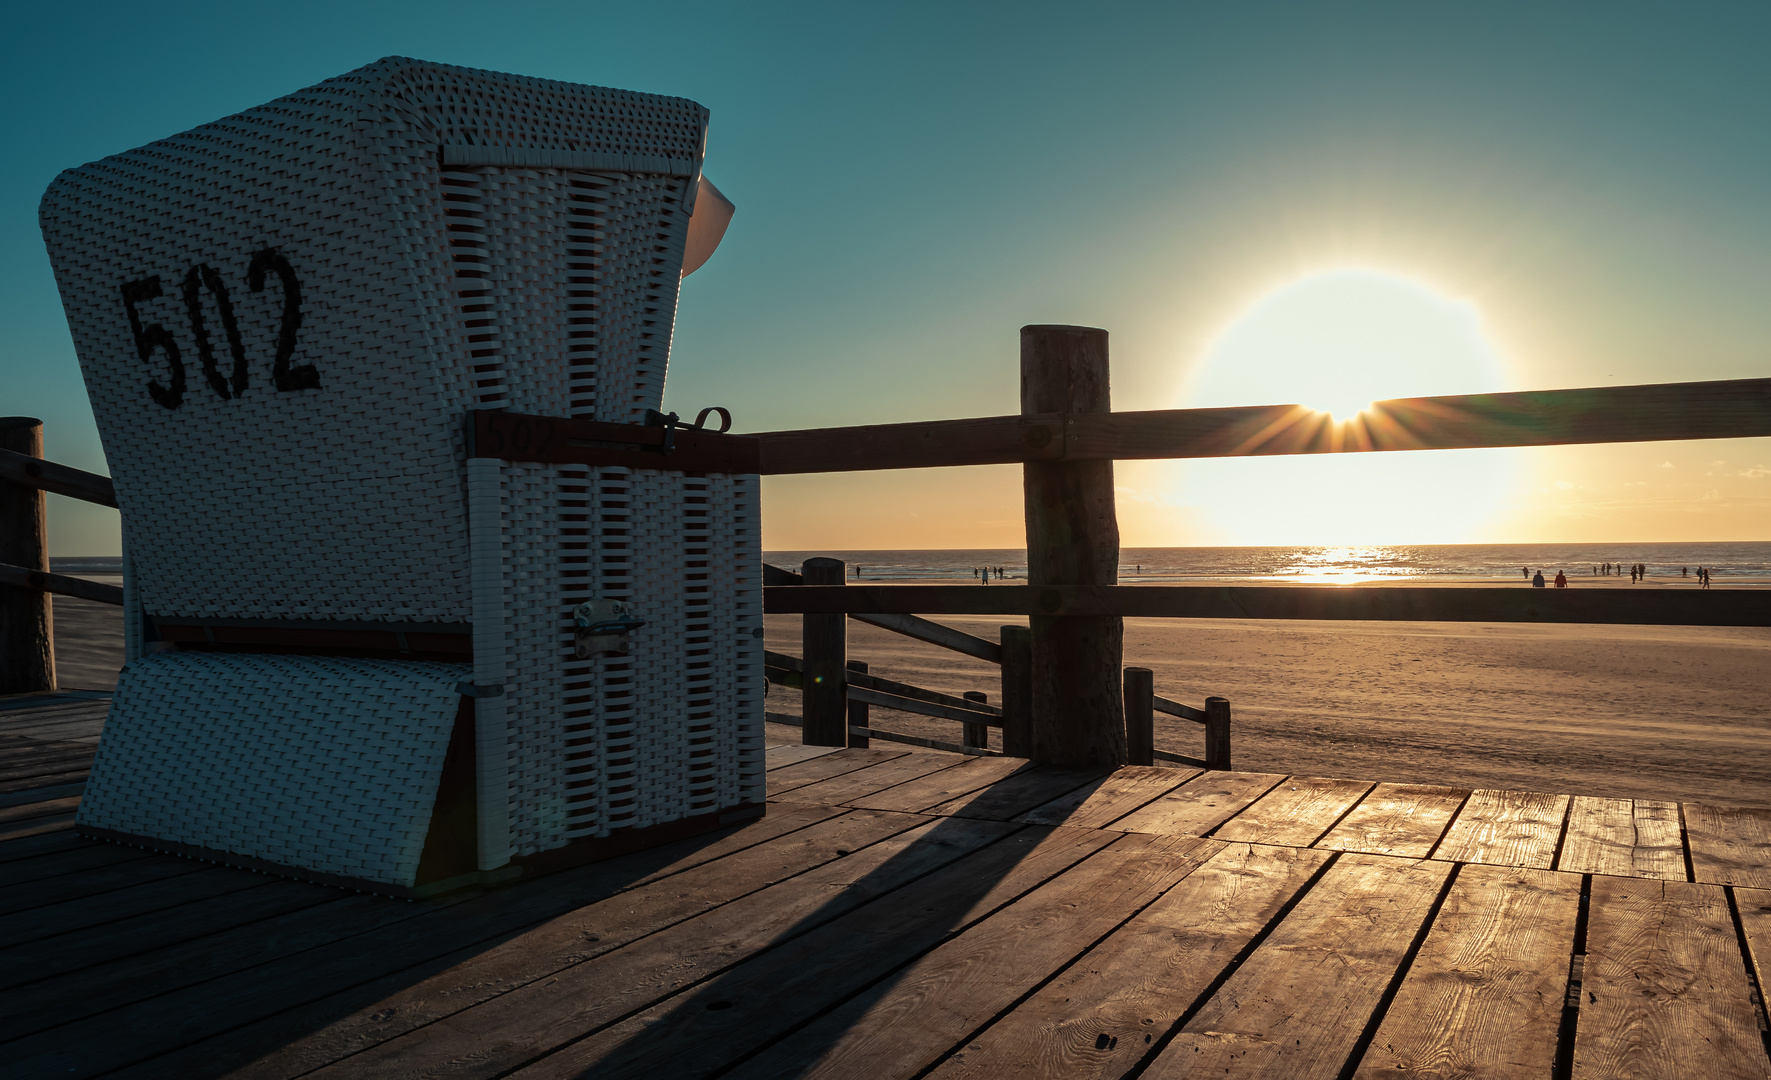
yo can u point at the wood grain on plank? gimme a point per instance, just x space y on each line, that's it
86 855
1729 845
31 811
1664 991
1294 814
780 757
1199 805
765 998
930 1007
502 1005
1297 1005
20 848
1404 820
1484 994
848 787
1100 803
94 880
1754 906
109 942
825 766
964 778
1623 838
1016 794
316 951
37 826
150 895
1097 1019
1505 828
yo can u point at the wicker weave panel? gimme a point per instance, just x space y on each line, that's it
460 240
423 293
316 762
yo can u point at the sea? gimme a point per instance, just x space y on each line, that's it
1306 565
1301 564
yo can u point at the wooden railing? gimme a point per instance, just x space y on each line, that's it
1085 708
842 718
27 638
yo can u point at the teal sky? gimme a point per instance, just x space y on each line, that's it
915 183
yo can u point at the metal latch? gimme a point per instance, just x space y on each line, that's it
600 628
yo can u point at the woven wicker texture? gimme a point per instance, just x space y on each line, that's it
282 317
302 460
317 762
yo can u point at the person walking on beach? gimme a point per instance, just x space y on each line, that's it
1526 570
1561 580
1632 574
1684 571
1537 580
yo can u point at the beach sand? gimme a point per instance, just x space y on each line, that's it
1654 712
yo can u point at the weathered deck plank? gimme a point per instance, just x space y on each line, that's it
1098 1019
825 766
1505 828
850 786
1623 838
1297 1005
917 796
1729 845
1016 794
1296 813
823 940
1201 804
1483 996
320 952
699 1030
1404 820
501 1007
1664 987
958 987
1099 804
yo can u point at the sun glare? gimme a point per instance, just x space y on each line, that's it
1336 342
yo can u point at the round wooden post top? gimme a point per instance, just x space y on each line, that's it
19 421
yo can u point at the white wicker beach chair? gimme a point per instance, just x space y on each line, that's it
283 319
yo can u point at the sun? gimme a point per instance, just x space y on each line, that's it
1336 341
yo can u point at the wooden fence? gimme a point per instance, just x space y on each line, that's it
1066 697
842 718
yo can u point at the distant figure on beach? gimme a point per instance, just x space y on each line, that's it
1684 571
1632 574
1537 580
1561 580
1706 576
1526 570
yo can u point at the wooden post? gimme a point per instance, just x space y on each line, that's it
27 634
975 734
1217 733
858 712
1017 691
826 691
1140 716
1072 539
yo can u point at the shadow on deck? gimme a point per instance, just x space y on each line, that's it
912 913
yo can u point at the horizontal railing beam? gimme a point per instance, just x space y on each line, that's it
1646 607
32 472
1659 412
60 584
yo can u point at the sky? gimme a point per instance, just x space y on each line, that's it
1528 196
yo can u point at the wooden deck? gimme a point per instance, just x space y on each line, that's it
910 913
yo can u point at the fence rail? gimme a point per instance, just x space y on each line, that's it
1713 607
1723 409
976 716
